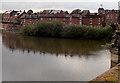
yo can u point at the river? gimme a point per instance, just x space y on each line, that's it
26 58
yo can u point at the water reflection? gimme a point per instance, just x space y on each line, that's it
50 59
51 45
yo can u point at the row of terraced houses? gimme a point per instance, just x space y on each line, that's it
85 17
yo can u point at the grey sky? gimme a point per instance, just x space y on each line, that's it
60 0
69 5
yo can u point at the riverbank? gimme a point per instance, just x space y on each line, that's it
110 75
114 73
11 32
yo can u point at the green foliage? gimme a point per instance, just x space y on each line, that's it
57 29
27 30
88 32
43 28
18 21
13 25
71 31
76 11
50 28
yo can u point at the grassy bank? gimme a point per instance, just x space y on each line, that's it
57 29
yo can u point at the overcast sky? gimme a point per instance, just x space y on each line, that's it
69 5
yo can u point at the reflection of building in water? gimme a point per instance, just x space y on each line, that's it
54 46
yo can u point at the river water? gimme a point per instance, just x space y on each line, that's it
27 58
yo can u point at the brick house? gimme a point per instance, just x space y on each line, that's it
108 16
92 19
103 17
11 17
85 18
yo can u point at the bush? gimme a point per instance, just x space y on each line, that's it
70 31
88 32
50 28
57 29
27 30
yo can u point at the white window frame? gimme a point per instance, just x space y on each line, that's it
91 21
99 22
24 20
41 18
50 19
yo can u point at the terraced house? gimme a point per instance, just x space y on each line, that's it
103 17
85 17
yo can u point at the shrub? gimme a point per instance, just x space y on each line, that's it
27 30
70 31
57 29
49 28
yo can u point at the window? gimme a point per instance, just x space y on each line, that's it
108 16
55 18
41 18
64 19
90 20
111 16
102 19
64 22
36 19
30 22
80 17
80 21
98 20
70 18
30 16
24 21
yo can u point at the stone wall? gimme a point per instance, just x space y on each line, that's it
111 75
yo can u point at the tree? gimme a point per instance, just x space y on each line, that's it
18 21
76 11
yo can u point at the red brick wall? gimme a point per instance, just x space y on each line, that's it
111 17
75 20
67 20
1 25
85 21
95 21
60 19
45 19
5 26
22 21
6 17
